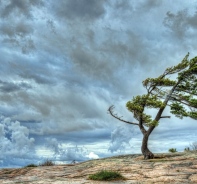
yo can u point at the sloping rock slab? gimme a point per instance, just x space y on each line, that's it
178 168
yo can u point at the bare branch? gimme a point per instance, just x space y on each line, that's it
110 110
165 117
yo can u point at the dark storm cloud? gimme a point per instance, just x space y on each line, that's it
85 136
20 7
79 9
63 63
18 34
151 4
180 23
20 28
122 5
7 87
39 78
117 50
26 45
177 23
28 68
120 9
59 107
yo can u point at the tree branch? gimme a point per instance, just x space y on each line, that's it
185 91
110 110
165 117
182 101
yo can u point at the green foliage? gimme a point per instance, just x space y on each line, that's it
147 119
106 176
139 102
182 96
153 123
178 110
187 149
158 82
193 115
153 102
172 150
193 103
47 163
137 105
181 66
31 165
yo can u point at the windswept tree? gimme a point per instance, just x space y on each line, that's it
179 94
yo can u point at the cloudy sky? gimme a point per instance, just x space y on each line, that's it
64 62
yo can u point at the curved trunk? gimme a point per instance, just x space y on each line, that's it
145 151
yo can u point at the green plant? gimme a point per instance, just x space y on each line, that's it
187 149
106 176
172 150
47 163
31 165
175 88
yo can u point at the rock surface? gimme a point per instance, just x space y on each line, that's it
179 168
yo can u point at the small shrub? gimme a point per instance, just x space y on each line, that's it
31 165
106 176
187 149
172 150
47 163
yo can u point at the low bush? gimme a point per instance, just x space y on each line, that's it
47 163
187 149
172 150
31 165
106 176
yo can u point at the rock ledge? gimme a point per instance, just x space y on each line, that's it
176 168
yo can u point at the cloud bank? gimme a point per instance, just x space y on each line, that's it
64 63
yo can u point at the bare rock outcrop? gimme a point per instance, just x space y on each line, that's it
176 168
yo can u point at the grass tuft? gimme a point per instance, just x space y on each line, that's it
106 176
31 165
47 163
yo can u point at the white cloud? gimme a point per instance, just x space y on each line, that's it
92 155
68 152
15 142
121 137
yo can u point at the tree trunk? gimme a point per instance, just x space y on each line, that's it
145 151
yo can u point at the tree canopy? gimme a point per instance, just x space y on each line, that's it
176 88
